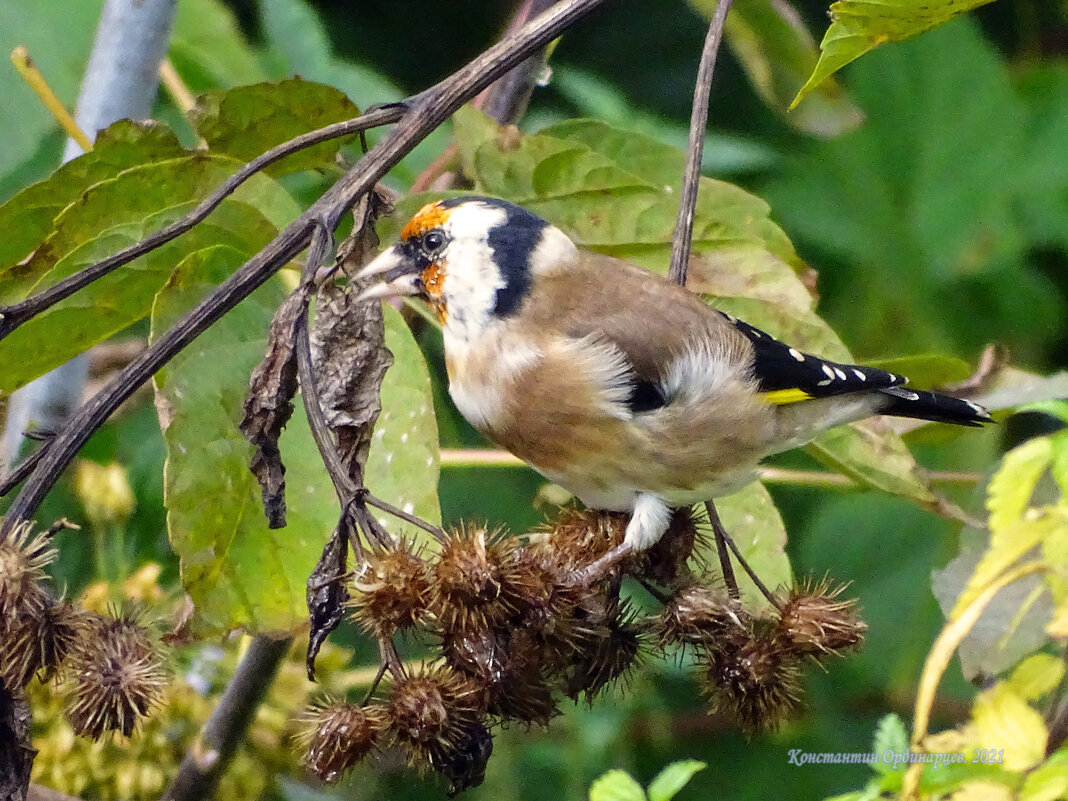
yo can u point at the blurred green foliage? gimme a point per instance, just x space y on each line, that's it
937 225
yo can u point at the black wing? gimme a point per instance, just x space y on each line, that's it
779 367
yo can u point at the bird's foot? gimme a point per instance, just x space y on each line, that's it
598 568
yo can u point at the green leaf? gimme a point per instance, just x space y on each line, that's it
597 98
753 521
402 466
673 778
927 369
208 48
239 572
113 214
28 217
616 785
246 121
874 458
1010 489
859 26
890 735
777 53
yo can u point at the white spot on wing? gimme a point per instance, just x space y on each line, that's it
860 376
840 373
797 354
827 371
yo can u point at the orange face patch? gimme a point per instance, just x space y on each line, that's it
433 278
432 215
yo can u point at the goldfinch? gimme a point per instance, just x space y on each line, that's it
611 381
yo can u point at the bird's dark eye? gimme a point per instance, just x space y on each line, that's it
433 241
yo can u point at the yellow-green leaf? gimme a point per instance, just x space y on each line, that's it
402 466
248 120
1003 720
673 778
1036 676
1010 489
1006 547
859 26
616 785
239 572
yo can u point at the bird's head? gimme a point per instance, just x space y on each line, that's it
473 259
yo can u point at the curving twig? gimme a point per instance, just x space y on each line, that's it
680 245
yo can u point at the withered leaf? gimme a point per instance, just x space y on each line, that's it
268 405
326 595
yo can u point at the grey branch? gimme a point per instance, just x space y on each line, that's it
206 762
680 245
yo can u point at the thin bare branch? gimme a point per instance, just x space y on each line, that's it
722 537
680 245
389 508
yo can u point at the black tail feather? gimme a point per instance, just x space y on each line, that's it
921 405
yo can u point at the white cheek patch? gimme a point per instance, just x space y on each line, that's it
470 287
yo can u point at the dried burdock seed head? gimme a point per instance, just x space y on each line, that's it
464 763
428 712
544 595
704 617
814 620
473 579
756 683
579 536
115 677
336 735
666 562
392 592
520 691
38 640
478 653
23 558
608 658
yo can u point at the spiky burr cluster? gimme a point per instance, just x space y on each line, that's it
110 668
516 629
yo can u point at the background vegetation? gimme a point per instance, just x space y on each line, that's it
937 224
